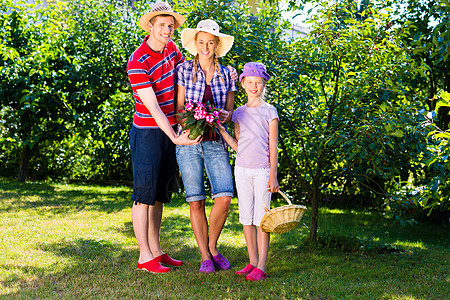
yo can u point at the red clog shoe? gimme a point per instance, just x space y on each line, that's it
167 260
153 266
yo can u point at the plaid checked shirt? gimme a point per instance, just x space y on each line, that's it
194 91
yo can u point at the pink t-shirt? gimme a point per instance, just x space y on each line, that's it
253 144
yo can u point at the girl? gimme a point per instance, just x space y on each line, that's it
256 139
204 80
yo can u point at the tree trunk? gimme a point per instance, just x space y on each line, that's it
314 214
24 160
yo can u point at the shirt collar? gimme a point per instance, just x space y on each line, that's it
199 70
150 52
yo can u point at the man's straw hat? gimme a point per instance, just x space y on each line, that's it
160 8
210 26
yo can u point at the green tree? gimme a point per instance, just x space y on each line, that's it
61 65
33 102
346 117
429 34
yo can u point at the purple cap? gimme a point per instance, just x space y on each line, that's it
255 69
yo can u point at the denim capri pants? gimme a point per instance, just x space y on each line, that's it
194 159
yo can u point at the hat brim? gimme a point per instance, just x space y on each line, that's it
188 41
145 19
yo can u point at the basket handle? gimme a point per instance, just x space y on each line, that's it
280 192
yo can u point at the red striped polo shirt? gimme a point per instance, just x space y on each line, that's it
147 68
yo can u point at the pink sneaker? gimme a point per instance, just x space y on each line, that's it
256 275
245 271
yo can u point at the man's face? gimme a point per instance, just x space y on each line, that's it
162 29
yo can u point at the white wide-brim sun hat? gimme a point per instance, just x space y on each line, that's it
210 26
160 8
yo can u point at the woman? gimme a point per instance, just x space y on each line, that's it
204 80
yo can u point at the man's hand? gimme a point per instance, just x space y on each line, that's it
234 74
184 139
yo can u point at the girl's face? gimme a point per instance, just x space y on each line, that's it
253 86
206 44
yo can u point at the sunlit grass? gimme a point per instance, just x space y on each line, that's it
408 244
332 211
77 241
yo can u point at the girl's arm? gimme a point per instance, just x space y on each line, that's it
273 156
233 142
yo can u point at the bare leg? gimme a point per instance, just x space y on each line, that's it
154 228
139 216
263 240
217 218
250 241
199 225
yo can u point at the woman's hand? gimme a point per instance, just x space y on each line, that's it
225 116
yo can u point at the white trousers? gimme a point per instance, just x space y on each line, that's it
251 185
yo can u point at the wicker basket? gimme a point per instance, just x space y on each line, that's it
281 219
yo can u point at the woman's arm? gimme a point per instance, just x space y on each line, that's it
179 104
225 114
273 156
233 142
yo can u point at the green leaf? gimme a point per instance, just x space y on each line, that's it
445 135
446 96
397 133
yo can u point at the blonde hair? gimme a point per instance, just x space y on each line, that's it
216 61
263 93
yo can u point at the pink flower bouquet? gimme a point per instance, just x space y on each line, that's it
198 117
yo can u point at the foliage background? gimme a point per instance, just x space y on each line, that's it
353 95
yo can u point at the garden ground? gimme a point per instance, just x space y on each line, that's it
76 241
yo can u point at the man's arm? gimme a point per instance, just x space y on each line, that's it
233 73
148 97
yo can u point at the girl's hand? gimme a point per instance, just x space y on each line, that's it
273 185
221 127
225 116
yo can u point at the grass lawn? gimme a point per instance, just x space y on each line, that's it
77 242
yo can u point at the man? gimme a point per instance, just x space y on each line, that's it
151 73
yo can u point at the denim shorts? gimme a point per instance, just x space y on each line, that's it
194 159
154 163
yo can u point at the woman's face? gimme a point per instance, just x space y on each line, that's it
206 44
